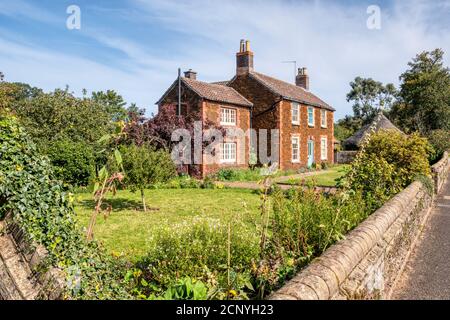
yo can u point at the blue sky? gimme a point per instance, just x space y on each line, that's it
136 46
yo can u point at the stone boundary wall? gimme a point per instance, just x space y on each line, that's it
344 157
23 275
368 262
440 170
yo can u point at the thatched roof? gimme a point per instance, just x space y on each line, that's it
380 122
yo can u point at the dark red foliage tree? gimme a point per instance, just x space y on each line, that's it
158 130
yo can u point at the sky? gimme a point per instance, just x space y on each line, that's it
136 46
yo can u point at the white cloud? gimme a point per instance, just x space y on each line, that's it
49 70
330 39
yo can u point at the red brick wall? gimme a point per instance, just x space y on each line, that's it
265 114
211 112
190 101
279 117
305 133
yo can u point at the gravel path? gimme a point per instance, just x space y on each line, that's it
427 272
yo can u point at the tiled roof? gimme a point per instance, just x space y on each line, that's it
290 91
212 92
216 92
222 83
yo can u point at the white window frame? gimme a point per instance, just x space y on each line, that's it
295 109
228 152
323 148
295 140
323 118
228 116
309 123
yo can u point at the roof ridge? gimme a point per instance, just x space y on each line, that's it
217 86
285 82
308 94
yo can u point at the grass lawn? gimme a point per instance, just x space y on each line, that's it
127 229
326 179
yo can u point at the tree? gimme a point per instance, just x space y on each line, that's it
144 166
369 96
425 94
13 93
74 162
157 131
59 115
342 132
440 141
2 76
133 109
113 103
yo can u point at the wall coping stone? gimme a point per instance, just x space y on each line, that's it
339 272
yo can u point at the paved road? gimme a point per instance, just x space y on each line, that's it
427 273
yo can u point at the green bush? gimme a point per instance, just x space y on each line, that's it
238 174
41 207
304 224
144 167
386 164
73 162
198 249
440 141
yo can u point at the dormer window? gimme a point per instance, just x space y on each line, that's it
295 113
227 116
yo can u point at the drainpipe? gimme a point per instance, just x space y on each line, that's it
179 92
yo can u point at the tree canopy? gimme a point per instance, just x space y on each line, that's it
370 96
425 94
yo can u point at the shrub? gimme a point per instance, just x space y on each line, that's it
239 174
145 166
44 211
74 162
440 141
198 249
304 224
386 164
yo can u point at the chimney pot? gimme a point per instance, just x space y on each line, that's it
242 46
190 74
244 58
302 78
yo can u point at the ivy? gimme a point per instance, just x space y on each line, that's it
43 209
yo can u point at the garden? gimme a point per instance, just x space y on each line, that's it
92 181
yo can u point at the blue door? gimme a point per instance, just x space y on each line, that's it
310 152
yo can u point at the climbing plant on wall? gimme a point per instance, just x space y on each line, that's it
41 207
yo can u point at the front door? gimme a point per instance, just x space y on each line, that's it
310 152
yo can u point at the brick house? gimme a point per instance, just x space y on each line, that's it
304 121
220 105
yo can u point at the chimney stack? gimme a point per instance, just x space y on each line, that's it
244 58
190 74
302 78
